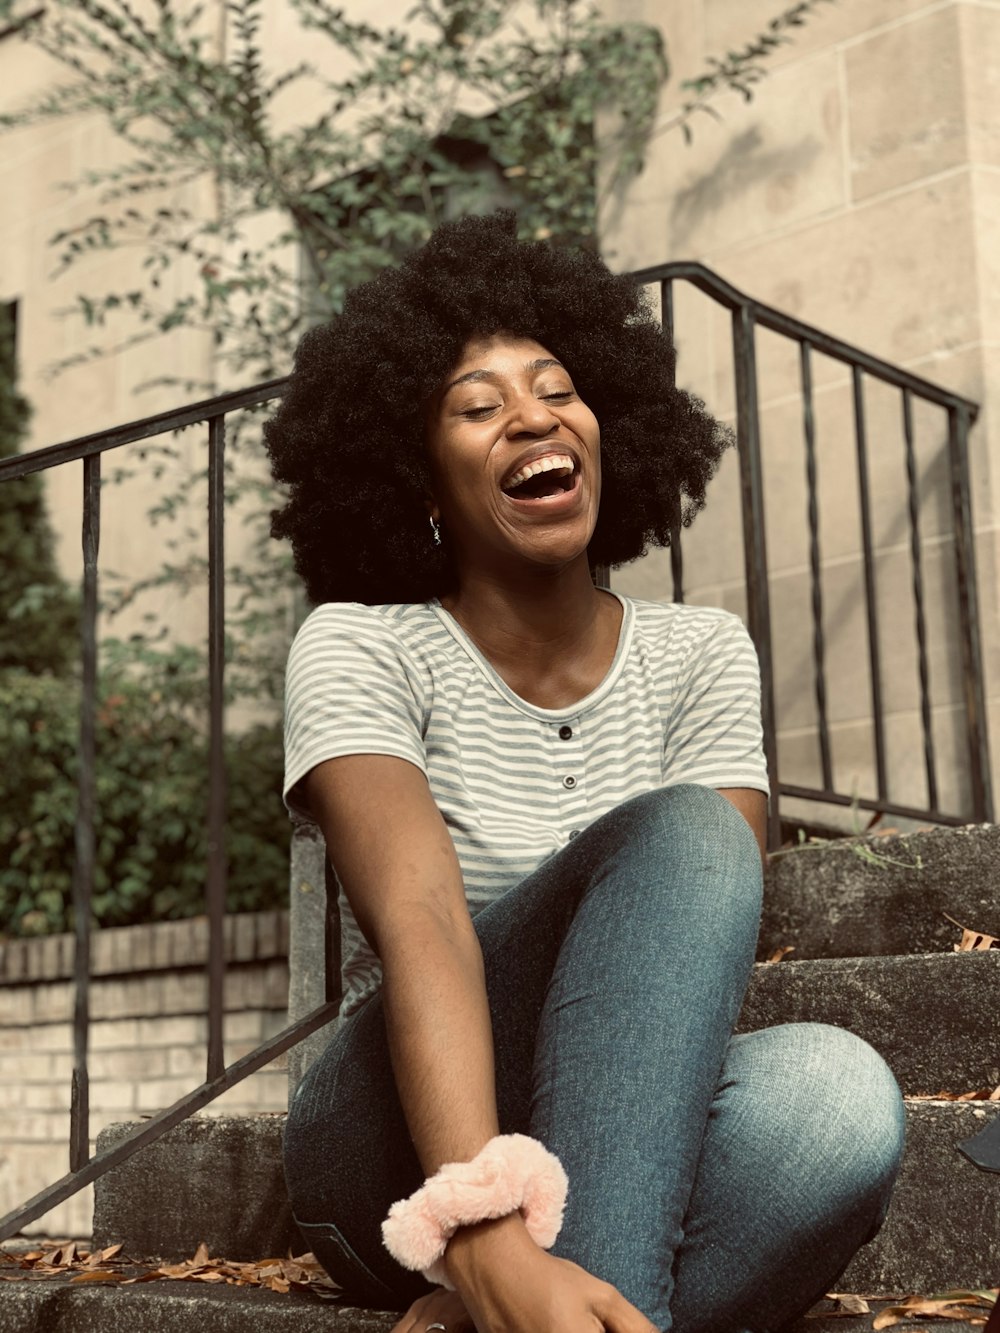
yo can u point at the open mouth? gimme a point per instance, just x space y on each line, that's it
542 480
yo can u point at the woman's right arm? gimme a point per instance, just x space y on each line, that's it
398 867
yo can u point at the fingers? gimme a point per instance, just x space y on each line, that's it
438 1307
621 1316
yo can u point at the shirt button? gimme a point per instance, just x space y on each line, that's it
573 832
565 733
569 782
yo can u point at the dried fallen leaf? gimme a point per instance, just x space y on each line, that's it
847 1304
302 1272
974 940
970 1307
779 953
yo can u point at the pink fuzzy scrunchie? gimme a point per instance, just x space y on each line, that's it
512 1173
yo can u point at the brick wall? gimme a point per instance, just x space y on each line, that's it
147 1039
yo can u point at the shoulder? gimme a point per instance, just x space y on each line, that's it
346 625
689 632
359 641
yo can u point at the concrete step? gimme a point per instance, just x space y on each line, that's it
883 895
191 1307
943 1228
933 1017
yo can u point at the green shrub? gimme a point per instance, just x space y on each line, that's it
39 615
152 795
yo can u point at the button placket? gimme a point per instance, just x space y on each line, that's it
570 774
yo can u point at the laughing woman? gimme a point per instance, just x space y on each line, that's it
545 804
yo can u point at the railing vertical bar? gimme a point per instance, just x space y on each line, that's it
815 564
968 606
871 604
86 811
676 553
215 889
913 491
754 544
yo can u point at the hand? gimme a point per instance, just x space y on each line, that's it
509 1285
439 1307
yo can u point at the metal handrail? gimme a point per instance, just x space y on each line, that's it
747 315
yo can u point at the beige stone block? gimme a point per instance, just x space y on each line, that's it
986 207
897 277
189 1062
153 1095
48 1097
128 1065
14 1095
25 1171
906 100
980 38
728 25
761 168
847 666
52 1037
114 1034
52 1001
854 769
177 1030
184 992
112 1094
244 1026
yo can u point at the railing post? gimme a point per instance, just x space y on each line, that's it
754 543
968 605
871 605
84 841
919 619
215 888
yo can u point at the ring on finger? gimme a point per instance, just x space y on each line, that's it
435 1328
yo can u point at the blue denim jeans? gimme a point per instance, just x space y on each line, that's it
720 1183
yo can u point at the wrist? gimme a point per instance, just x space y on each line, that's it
513 1179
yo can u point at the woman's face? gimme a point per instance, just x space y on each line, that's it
514 456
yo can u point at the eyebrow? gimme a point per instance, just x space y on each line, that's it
475 376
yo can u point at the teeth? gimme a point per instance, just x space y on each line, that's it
560 463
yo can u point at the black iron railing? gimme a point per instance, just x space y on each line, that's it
747 316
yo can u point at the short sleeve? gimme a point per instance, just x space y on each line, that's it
350 688
714 736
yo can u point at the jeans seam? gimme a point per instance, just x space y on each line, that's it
349 1253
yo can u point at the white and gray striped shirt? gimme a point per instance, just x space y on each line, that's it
680 703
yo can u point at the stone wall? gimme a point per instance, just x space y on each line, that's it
147 1039
856 191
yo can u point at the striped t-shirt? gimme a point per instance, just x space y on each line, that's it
514 782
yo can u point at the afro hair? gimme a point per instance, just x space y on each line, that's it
348 438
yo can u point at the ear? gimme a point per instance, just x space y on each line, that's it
432 509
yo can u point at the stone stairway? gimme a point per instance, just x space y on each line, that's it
873 952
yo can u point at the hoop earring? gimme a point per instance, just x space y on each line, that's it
435 532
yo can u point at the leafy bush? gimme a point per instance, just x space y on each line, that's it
152 794
38 613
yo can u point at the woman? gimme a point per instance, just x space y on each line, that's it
546 805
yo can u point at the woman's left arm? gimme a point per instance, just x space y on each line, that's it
752 805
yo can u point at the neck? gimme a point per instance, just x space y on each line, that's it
533 621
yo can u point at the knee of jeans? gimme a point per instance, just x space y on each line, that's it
839 1086
689 808
696 828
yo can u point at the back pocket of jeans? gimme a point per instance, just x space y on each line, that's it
359 1283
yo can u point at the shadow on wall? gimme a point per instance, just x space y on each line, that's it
744 164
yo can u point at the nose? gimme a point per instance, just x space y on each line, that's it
530 416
